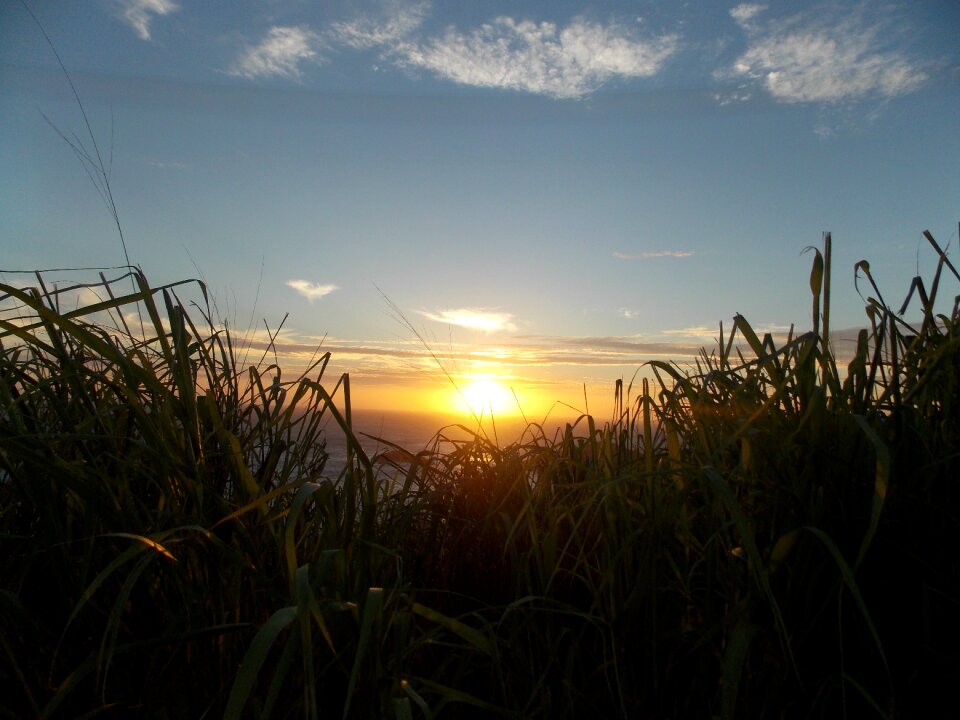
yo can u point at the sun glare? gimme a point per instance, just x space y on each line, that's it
485 396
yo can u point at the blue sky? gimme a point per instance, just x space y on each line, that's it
552 193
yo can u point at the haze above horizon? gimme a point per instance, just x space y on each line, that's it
530 197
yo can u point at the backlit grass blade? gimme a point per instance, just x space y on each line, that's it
152 544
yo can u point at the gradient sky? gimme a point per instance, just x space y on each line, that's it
550 192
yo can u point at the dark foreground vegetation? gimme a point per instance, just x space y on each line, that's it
767 535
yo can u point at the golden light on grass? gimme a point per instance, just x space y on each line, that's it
697 476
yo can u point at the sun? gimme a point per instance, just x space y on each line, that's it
485 395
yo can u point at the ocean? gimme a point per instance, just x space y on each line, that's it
416 431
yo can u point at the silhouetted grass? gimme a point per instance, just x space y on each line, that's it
768 536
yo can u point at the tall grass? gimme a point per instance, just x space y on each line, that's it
768 535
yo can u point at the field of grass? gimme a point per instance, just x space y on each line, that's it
769 536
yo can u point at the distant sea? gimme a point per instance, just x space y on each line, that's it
414 432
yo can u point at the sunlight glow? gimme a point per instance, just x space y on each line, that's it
485 395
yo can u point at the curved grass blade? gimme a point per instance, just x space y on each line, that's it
253 660
471 635
848 579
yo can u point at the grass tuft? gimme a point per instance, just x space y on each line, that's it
769 535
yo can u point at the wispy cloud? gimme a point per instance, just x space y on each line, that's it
543 58
540 58
311 291
366 32
139 13
745 12
474 319
533 351
822 57
668 253
706 333
698 331
653 254
168 165
280 53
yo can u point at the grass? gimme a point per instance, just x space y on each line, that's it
768 535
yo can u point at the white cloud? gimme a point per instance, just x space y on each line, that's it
824 132
741 94
697 331
825 59
540 58
311 291
139 13
668 253
745 12
653 254
706 333
168 165
366 32
474 319
280 53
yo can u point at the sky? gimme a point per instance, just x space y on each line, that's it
532 198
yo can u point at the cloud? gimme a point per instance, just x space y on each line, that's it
168 165
668 253
395 358
745 12
652 254
699 331
607 350
540 58
474 319
366 32
280 53
712 333
139 13
824 58
311 291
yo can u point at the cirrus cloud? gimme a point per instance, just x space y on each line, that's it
139 13
280 53
366 32
311 291
653 254
825 58
474 319
540 58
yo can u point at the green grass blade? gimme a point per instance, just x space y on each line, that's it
471 635
372 610
254 659
848 579
881 481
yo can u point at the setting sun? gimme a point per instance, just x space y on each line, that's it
485 395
